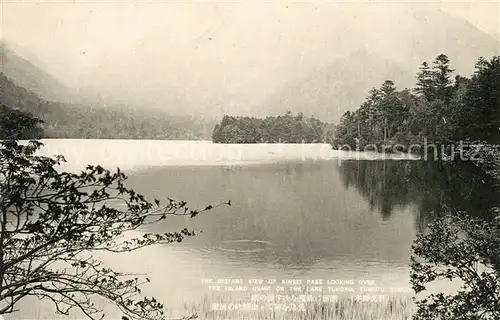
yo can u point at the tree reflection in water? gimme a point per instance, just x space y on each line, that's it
432 187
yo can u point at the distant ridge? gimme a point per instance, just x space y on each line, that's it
25 74
385 50
66 120
28 88
330 91
324 76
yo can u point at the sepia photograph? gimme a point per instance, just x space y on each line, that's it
251 159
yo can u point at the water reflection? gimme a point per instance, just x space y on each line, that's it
304 219
301 209
388 185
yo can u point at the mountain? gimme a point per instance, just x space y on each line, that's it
411 36
27 75
318 60
26 87
330 91
65 120
390 47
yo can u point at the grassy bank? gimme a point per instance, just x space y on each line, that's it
344 308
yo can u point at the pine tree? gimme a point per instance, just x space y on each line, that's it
424 84
441 77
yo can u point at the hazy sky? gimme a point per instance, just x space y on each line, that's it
228 51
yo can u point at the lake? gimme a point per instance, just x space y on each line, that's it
298 212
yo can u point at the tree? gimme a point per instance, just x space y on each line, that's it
53 224
387 88
16 124
478 117
441 76
280 129
424 82
464 248
435 83
386 106
346 132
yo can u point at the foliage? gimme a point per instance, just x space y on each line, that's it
15 124
54 223
463 248
440 109
478 116
456 246
280 129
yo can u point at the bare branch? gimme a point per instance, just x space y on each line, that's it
53 223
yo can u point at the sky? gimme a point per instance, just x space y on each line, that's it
223 51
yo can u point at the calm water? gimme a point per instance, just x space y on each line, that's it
303 212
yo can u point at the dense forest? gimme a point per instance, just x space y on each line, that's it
15 124
65 120
281 129
441 108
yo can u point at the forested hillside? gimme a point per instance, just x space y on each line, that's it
65 120
442 109
280 129
27 75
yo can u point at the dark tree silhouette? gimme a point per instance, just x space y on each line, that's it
52 224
